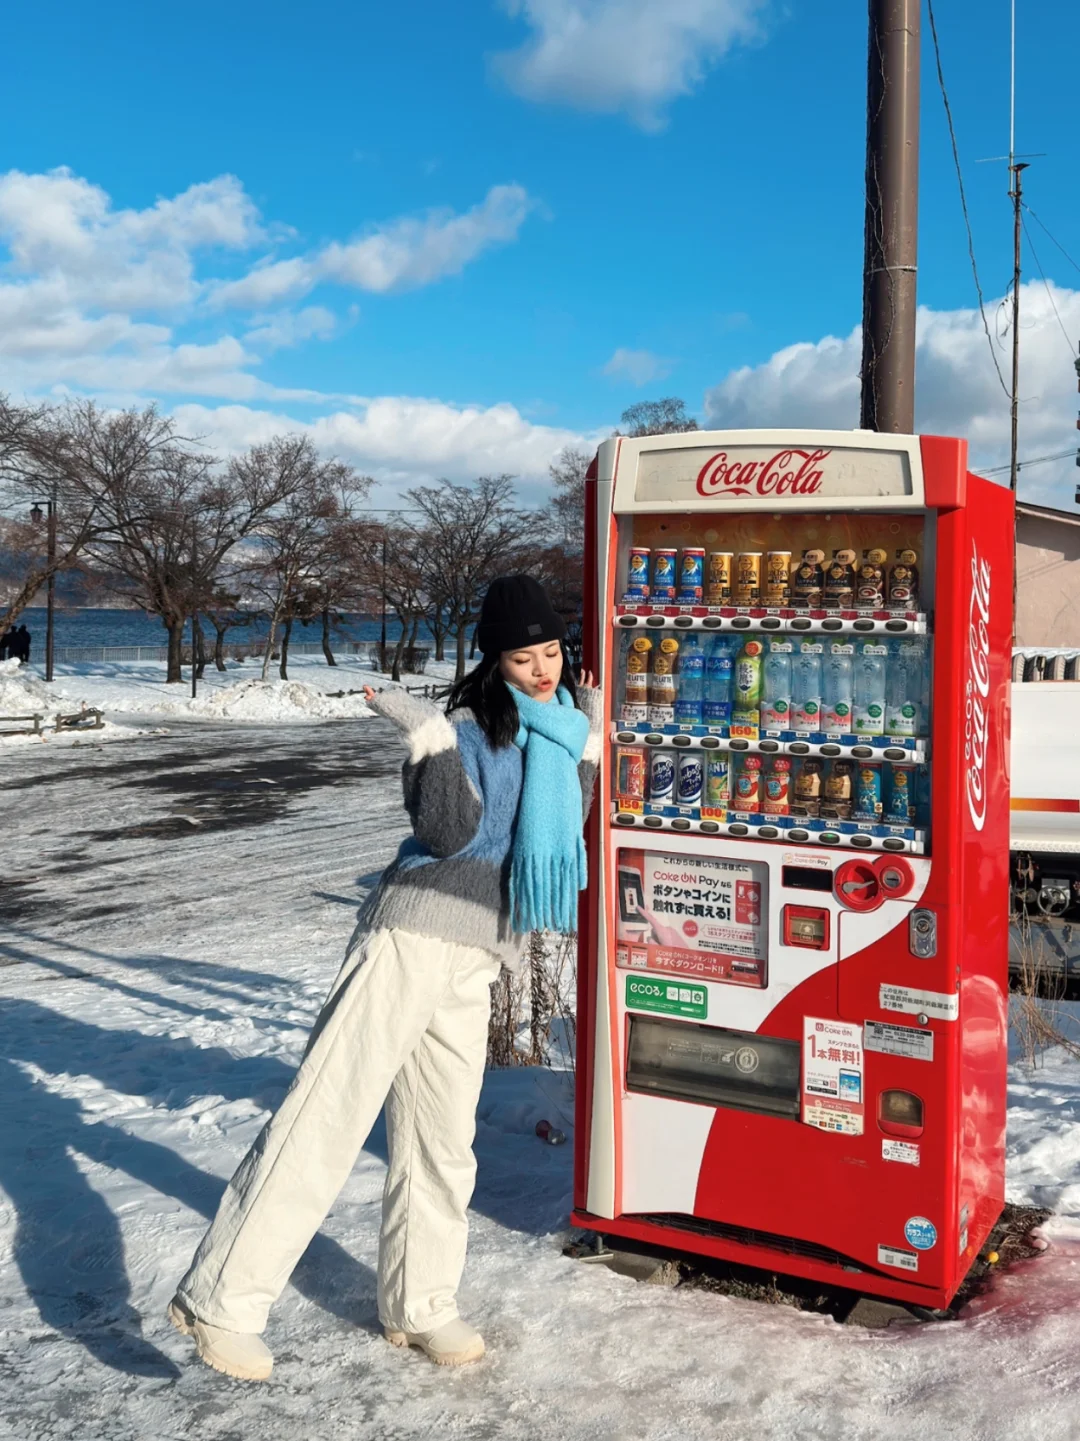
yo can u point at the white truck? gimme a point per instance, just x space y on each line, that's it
1045 783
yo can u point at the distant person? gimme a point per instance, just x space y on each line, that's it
495 792
5 644
22 649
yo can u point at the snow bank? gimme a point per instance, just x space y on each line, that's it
265 700
24 694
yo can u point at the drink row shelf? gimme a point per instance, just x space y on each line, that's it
792 622
907 750
799 830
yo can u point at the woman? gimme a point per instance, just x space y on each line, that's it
496 791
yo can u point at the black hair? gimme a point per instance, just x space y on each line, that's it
487 695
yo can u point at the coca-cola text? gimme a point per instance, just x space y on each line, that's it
976 699
788 472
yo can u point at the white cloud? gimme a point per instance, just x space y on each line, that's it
400 255
623 55
288 327
403 440
957 391
636 366
112 302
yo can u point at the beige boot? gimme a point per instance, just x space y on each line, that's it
244 1356
455 1344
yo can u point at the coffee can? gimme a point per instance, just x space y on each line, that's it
778 578
665 567
718 585
637 577
747 586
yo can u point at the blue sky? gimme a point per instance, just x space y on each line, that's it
452 237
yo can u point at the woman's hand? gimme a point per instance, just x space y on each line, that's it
585 680
370 693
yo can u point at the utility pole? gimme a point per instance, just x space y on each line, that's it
1016 167
892 213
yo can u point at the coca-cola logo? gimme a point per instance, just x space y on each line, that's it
977 688
788 472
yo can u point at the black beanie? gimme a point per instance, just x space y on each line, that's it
516 613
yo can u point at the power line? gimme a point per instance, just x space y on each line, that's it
1057 242
1046 287
963 197
1023 464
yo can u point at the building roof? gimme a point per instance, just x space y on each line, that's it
1047 512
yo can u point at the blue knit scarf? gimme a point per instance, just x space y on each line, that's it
548 865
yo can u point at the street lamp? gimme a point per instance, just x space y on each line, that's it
36 515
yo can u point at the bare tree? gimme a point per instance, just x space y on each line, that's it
567 504
35 447
296 537
469 535
657 417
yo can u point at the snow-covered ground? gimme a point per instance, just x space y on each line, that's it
172 911
125 691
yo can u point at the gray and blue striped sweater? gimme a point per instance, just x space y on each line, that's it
450 879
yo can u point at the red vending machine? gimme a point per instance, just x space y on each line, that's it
792 991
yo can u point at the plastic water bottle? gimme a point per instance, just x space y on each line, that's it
903 691
806 691
691 694
718 668
776 691
870 691
837 685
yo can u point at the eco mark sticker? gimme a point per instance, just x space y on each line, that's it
894 1256
667 997
921 1233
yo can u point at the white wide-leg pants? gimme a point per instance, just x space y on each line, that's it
406 1022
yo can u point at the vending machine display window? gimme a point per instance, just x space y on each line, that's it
773 676
702 917
713 1066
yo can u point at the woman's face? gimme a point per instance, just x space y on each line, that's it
534 669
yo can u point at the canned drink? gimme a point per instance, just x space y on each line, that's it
808 581
637 576
692 576
840 581
637 670
661 777
630 773
718 589
691 781
808 785
663 578
903 591
748 784
747 587
778 786
718 780
868 793
870 583
778 578
662 682
901 803
838 799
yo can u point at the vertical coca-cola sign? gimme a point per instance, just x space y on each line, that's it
977 689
